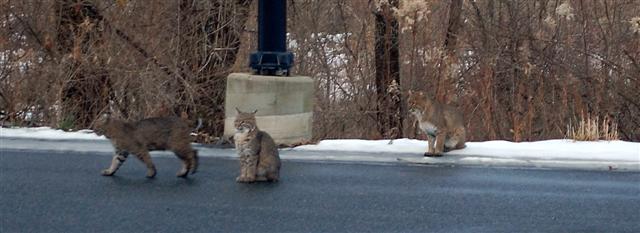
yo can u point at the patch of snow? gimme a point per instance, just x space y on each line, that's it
49 134
381 146
600 155
550 149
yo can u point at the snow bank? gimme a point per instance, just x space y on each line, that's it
550 149
555 152
49 134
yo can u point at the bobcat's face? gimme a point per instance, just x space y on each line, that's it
101 124
243 127
245 122
416 102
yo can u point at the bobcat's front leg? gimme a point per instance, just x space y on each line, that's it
243 167
250 170
117 160
430 149
248 164
440 138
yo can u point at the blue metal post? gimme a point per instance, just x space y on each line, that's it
272 57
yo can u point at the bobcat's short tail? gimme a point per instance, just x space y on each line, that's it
194 132
199 125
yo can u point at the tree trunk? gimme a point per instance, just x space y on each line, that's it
445 81
387 77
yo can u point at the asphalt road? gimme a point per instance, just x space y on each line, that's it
63 192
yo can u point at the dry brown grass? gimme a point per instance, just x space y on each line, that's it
592 129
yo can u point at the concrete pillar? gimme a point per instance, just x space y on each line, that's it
284 104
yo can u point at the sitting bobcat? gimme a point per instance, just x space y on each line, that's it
138 138
442 123
259 159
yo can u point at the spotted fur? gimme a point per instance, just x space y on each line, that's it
443 124
138 138
259 158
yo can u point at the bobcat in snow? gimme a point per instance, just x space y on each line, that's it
138 138
442 123
259 159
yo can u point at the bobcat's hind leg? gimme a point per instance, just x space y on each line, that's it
461 135
146 158
452 144
194 162
186 156
184 171
116 162
266 174
273 176
440 138
267 178
266 171
261 173
456 141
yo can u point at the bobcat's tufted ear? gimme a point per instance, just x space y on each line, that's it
254 112
99 120
238 110
104 116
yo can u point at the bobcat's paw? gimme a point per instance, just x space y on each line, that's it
182 173
151 174
107 172
427 154
266 179
242 179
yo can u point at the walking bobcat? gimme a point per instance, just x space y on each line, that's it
442 123
259 159
138 138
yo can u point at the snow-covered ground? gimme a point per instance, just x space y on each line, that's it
608 155
550 149
46 133
601 155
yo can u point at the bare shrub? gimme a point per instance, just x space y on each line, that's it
592 129
67 61
519 70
